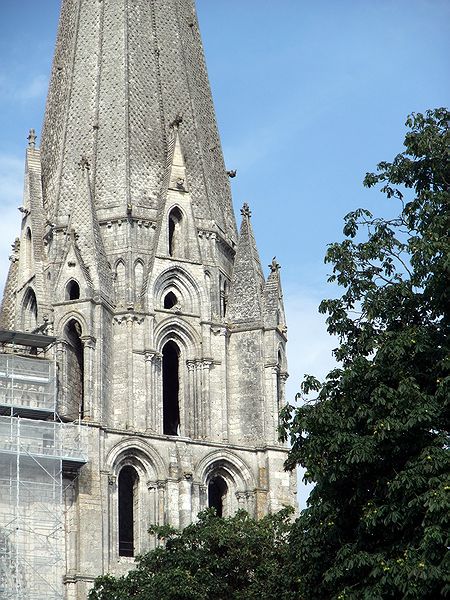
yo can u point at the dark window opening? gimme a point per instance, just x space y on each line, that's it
72 290
128 480
175 243
75 370
30 311
170 300
28 250
171 386
224 298
217 490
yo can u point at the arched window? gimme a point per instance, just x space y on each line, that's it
72 290
120 283
75 371
170 300
171 389
30 311
138 279
217 491
224 298
128 510
175 232
28 251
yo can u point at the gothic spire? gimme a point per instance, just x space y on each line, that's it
123 72
274 305
246 304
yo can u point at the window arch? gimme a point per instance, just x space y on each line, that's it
138 279
120 282
171 389
30 311
224 291
128 499
72 290
75 371
217 492
28 251
170 300
175 232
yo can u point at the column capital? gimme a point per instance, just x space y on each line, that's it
152 355
89 341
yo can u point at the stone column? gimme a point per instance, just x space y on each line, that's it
152 387
91 411
161 502
241 500
61 375
151 514
112 510
192 416
196 499
206 398
185 500
203 497
198 399
129 367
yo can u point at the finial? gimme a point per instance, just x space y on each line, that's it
177 121
84 164
32 137
245 210
232 174
274 266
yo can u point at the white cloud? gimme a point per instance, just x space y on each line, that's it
11 192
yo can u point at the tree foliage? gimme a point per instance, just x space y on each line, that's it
236 558
375 439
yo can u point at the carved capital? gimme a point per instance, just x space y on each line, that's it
89 341
152 356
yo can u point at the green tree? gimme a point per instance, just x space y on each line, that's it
236 558
374 440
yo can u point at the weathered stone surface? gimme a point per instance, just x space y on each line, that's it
133 204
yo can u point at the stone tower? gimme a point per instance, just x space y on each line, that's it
170 341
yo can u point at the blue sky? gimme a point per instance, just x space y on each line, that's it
309 96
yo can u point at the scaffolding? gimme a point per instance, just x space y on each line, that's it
36 452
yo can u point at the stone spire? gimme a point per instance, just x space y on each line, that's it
274 305
247 284
122 73
85 234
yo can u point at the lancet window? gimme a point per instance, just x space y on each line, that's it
30 311
72 290
170 300
217 491
75 370
128 510
175 232
171 389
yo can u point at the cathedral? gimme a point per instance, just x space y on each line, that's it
142 345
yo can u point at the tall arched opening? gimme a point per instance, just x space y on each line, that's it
171 389
217 491
30 311
75 371
128 510
175 232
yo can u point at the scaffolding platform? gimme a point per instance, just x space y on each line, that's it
38 455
